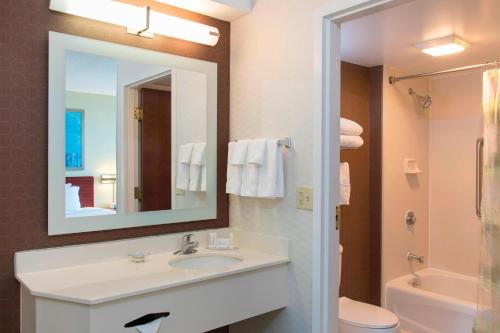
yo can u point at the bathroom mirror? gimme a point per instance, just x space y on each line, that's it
132 136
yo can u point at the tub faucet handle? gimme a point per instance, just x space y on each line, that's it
412 256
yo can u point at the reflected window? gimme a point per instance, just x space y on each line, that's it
74 139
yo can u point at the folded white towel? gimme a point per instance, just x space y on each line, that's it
271 175
195 167
256 151
349 141
198 154
203 186
234 172
345 184
152 327
239 154
349 127
182 181
185 151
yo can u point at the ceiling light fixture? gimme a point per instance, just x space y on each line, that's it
443 46
140 21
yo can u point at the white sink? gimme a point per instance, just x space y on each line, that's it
204 261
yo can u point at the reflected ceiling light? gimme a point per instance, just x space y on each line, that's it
443 46
139 20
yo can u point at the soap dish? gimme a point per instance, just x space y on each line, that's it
411 166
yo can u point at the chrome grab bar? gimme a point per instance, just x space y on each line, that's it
479 174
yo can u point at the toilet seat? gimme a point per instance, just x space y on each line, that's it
365 315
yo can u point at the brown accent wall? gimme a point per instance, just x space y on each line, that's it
24 28
361 93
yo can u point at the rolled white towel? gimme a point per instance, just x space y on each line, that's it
350 141
349 127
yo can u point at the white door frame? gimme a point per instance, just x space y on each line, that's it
327 22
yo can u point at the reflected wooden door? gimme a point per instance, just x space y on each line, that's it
155 150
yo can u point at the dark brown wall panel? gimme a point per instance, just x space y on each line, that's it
24 28
360 272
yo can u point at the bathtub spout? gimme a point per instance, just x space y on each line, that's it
411 256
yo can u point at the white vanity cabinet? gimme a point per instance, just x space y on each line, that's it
102 296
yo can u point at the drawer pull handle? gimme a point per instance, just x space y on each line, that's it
146 319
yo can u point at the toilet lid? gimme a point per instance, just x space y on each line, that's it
365 315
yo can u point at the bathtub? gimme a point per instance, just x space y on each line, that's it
443 303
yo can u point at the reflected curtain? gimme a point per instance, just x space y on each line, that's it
488 315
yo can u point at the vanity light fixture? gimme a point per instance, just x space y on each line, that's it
443 46
140 21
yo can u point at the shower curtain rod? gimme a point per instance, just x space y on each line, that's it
395 79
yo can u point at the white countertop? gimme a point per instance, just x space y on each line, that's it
100 282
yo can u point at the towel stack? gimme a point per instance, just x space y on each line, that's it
350 138
191 167
255 169
350 132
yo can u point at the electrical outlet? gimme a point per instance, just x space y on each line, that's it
305 198
178 191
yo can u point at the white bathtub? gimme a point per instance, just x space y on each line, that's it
444 302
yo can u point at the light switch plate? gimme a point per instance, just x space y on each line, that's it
305 198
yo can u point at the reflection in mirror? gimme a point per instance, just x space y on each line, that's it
165 112
168 160
90 134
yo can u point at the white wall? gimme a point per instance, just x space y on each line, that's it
456 123
405 135
189 125
272 96
100 141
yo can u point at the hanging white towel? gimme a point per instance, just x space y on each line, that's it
185 153
195 167
249 180
203 186
152 327
349 141
234 172
256 151
349 127
239 154
345 184
271 175
182 181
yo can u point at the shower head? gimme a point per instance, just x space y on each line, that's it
424 101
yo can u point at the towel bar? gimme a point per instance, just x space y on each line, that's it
285 142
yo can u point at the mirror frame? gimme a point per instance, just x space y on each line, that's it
57 221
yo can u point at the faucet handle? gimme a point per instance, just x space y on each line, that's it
187 238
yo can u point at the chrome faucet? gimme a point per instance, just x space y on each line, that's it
412 256
188 246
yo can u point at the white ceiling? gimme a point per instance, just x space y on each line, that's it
91 74
388 37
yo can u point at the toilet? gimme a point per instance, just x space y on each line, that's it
358 317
